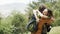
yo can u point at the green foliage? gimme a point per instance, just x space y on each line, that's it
19 23
13 24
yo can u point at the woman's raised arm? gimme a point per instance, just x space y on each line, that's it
43 16
34 12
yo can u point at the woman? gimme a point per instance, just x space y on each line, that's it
42 16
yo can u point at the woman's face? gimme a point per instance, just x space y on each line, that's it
45 12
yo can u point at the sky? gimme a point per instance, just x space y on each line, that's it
4 2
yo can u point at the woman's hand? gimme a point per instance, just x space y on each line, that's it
52 18
50 21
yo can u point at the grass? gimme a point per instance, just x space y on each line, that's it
55 30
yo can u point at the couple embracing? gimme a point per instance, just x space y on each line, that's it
43 16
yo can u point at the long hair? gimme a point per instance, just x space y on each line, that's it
50 14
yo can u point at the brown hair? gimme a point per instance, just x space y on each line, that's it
41 8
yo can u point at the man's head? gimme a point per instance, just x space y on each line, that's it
42 7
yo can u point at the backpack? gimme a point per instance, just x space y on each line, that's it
32 25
